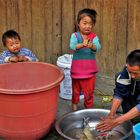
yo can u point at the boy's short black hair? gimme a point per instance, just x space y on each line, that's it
87 12
9 34
133 58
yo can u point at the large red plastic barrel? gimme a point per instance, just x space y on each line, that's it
28 99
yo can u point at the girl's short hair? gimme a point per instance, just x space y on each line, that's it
9 34
87 12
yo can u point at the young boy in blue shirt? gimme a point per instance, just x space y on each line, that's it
14 52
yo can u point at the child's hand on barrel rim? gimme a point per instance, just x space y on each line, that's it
22 58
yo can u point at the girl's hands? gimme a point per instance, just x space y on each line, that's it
85 42
88 43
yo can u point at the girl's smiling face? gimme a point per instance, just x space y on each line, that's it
85 25
13 45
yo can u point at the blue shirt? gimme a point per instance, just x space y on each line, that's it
126 86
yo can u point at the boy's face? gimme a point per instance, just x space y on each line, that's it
134 71
13 44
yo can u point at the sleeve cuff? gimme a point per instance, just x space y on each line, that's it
138 107
117 97
29 58
6 60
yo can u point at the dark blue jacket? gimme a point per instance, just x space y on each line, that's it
126 86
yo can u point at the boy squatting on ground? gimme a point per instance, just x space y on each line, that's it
15 53
126 94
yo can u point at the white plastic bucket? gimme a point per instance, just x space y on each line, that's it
64 62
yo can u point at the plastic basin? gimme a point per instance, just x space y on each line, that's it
136 130
71 126
28 99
